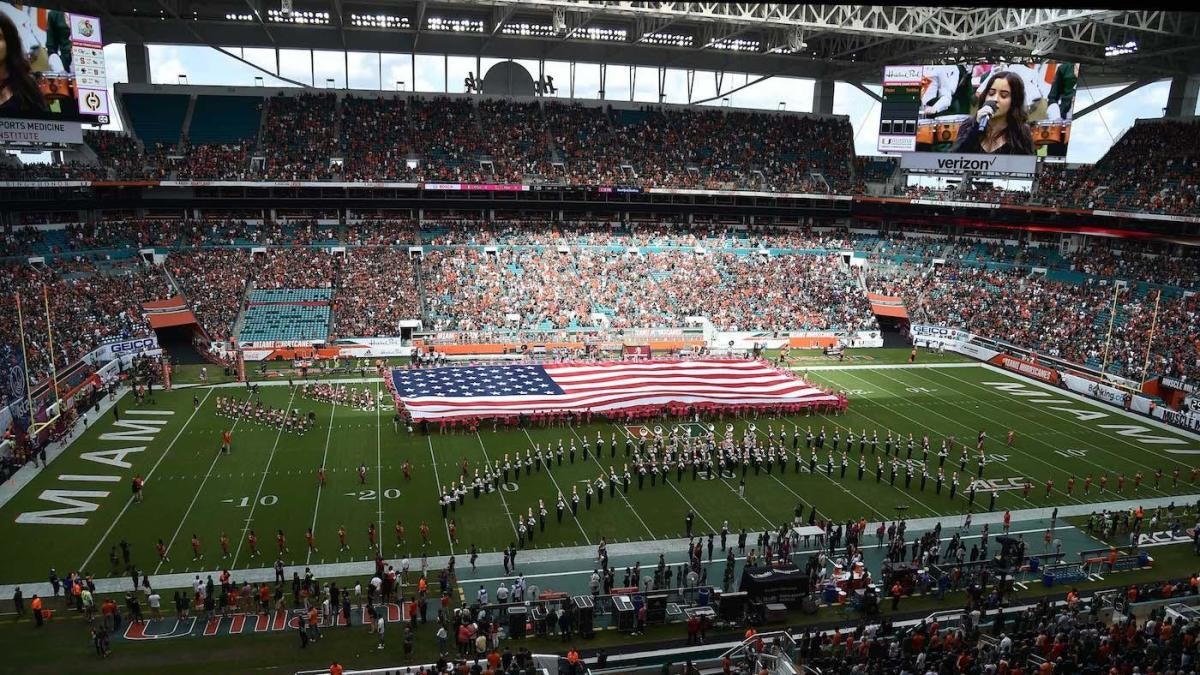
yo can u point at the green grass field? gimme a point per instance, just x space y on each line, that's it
269 481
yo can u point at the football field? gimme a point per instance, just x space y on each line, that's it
73 514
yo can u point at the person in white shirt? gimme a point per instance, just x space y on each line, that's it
379 626
482 595
502 594
155 603
943 81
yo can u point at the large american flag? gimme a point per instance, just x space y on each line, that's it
501 390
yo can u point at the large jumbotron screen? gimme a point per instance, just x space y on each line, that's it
937 108
66 79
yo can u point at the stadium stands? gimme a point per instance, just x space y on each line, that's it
156 118
528 283
1152 168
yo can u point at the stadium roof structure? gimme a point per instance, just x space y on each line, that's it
835 42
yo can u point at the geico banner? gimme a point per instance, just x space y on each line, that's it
17 131
133 347
958 163
939 332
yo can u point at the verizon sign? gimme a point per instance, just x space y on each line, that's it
958 163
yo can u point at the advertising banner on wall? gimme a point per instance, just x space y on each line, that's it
1027 368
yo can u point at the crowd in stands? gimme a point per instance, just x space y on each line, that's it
299 137
1154 167
118 153
296 268
531 283
377 291
1072 321
486 140
215 161
1046 638
214 283
376 139
88 305
471 289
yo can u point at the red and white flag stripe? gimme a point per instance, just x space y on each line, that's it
618 385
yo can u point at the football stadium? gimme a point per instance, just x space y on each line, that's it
599 337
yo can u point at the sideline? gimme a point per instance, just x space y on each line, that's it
551 555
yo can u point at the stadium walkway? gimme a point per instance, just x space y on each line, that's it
577 558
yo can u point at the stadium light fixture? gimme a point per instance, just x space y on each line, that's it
670 39
437 23
379 21
604 34
399 85
258 81
528 29
1112 50
304 17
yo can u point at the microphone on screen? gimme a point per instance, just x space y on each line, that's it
988 109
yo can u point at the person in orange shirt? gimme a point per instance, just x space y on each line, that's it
252 540
36 606
321 476
342 537
226 441
196 555
314 617
399 533
281 541
224 545
308 536
335 668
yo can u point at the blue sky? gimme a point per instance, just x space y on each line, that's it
1091 135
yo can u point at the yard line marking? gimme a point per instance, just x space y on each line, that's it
1079 424
112 525
501 491
261 482
841 487
1051 447
438 488
965 426
622 492
195 497
378 467
691 506
320 488
559 488
909 493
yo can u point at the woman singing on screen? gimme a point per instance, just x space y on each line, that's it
19 93
1000 113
